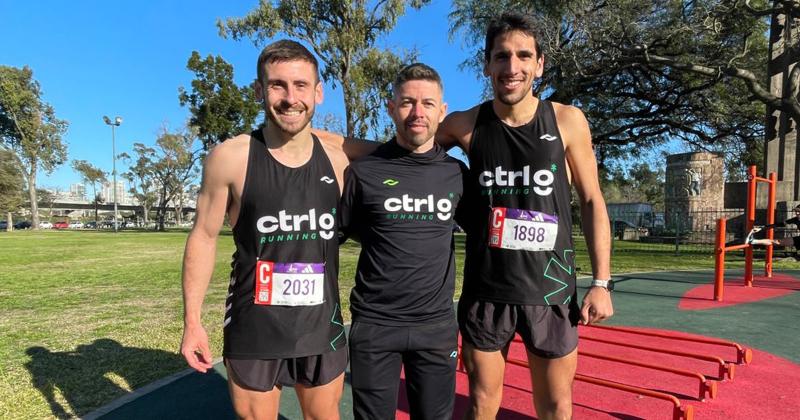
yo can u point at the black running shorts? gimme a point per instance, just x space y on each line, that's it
263 375
548 331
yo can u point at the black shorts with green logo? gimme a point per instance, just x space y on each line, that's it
548 331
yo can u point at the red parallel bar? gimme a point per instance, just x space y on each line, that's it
750 218
744 354
736 247
719 263
724 368
678 412
706 386
773 182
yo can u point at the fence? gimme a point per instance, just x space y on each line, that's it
688 232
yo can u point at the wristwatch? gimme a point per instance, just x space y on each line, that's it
605 284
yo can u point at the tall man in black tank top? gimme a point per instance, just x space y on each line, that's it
280 187
520 270
400 202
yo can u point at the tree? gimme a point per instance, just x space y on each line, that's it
342 34
173 166
11 185
48 198
605 57
141 178
91 175
28 126
636 184
220 109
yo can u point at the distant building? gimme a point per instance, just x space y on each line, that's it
122 193
77 192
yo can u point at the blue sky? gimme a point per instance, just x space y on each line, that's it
95 58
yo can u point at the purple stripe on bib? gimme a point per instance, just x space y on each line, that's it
299 268
531 215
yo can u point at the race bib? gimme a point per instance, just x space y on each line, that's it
289 284
526 230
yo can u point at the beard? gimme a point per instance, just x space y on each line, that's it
415 139
290 128
513 98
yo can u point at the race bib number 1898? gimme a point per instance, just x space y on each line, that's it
526 230
289 284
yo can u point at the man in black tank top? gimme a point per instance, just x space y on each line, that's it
400 202
280 187
520 269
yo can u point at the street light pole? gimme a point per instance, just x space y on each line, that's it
117 121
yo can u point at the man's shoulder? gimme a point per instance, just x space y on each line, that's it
380 155
235 148
334 152
567 114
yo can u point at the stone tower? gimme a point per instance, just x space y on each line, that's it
781 153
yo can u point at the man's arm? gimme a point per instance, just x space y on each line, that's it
200 255
596 228
456 129
351 200
353 148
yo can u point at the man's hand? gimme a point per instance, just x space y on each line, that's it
596 305
194 348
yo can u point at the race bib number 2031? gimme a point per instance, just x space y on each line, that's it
289 284
526 230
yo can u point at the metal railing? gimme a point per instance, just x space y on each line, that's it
688 232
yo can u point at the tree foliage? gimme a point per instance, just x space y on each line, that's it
29 127
220 109
637 184
648 72
141 177
343 35
172 164
92 175
11 185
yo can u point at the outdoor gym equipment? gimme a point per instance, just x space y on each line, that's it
750 218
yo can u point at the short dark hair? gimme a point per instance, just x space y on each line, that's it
416 71
282 51
510 22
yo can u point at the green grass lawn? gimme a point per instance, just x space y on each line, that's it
86 317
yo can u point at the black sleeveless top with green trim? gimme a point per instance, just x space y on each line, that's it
519 241
283 298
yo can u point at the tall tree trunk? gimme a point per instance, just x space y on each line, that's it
145 210
32 196
349 100
10 225
179 209
94 191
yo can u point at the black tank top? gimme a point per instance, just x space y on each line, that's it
283 299
519 245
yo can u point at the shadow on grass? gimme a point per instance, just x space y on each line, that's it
92 375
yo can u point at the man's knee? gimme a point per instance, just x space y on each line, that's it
557 408
486 396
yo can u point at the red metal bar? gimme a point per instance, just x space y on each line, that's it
678 412
744 355
725 369
773 181
736 247
719 263
750 217
706 386
760 179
